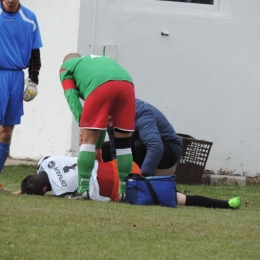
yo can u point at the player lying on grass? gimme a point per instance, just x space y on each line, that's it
59 174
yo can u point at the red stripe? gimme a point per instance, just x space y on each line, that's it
61 70
68 84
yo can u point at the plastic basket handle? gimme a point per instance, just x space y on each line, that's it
149 185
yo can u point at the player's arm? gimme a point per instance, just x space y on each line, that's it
32 81
101 139
99 144
149 135
17 192
35 66
71 93
74 103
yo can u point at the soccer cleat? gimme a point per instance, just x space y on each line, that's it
121 197
77 196
1 187
83 185
234 203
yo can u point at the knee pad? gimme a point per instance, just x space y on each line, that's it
122 143
139 146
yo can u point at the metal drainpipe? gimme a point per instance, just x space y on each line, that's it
93 27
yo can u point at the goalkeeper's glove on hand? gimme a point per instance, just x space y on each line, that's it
30 91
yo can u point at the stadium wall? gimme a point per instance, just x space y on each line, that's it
198 64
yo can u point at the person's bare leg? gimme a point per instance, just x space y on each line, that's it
165 172
86 158
181 199
5 141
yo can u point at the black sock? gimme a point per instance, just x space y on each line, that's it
200 201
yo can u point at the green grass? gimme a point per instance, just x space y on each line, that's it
46 227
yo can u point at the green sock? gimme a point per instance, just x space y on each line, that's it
124 166
86 161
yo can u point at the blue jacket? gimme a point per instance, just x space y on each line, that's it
153 129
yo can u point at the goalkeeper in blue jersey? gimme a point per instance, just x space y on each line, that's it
20 41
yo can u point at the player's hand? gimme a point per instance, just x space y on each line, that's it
99 155
17 192
30 91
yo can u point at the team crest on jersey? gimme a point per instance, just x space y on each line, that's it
51 164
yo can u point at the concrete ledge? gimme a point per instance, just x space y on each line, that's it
227 180
11 161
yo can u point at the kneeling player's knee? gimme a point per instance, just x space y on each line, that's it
122 143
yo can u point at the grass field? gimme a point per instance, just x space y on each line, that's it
46 227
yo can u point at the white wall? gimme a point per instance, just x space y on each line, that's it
46 127
204 76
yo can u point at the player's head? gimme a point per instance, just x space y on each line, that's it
34 184
71 56
11 5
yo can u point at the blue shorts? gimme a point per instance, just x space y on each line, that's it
11 96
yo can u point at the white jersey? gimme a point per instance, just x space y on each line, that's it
62 172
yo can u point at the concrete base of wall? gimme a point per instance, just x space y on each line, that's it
11 161
227 180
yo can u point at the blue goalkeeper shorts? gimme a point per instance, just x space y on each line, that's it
11 96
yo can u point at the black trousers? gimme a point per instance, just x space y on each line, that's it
168 160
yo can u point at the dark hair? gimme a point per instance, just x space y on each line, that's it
33 185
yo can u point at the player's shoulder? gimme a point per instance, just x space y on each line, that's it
43 159
48 163
27 12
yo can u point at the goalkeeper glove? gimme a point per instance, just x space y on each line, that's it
30 91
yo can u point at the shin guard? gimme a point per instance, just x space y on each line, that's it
86 161
124 160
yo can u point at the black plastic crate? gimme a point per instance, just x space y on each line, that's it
193 159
